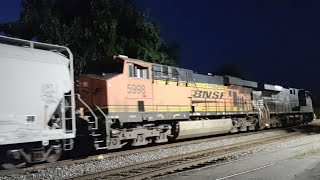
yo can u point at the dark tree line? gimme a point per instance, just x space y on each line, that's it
93 29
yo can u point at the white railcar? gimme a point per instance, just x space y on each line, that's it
37 106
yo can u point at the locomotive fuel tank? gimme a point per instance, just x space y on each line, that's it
191 129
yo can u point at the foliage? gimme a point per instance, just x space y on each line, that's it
309 152
92 29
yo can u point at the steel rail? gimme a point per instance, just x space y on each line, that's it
170 164
122 152
39 167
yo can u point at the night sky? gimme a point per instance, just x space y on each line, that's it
277 42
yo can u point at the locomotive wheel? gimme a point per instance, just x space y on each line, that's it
55 155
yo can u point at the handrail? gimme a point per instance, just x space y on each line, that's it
255 104
62 109
214 106
107 126
267 110
95 117
260 111
32 44
282 106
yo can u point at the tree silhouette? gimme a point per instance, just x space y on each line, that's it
92 29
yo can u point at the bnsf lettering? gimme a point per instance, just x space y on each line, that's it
208 94
136 89
197 94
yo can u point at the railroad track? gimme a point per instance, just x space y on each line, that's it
39 167
185 161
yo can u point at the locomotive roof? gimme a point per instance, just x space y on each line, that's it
225 79
132 59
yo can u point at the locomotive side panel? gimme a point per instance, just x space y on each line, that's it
172 98
222 100
92 90
203 99
131 91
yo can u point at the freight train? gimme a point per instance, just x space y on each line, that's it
45 110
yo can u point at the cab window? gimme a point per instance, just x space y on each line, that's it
137 71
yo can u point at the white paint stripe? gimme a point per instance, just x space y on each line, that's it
251 170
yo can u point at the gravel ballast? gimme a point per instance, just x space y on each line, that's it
67 171
304 143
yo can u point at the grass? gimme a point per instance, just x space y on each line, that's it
307 153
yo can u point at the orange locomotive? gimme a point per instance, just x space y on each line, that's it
144 102
129 102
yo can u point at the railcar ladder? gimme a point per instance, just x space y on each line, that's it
67 114
68 120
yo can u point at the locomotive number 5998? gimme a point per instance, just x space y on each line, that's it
136 89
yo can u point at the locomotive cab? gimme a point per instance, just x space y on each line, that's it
119 100
128 89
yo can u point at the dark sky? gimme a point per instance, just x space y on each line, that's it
9 10
274 41
271 41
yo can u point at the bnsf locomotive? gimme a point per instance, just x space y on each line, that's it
43 109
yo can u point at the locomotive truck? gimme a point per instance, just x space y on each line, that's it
129 102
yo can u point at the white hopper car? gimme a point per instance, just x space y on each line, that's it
37 116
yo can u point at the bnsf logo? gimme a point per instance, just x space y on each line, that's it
208 94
